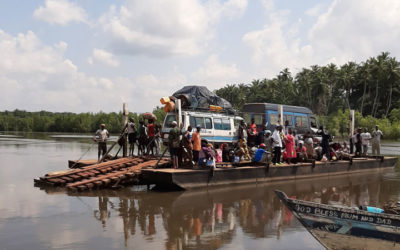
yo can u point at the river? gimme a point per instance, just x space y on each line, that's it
236 217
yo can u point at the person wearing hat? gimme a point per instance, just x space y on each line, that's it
268 140
174 143
196 141
101 137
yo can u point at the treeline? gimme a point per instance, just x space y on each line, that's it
43 121
371 87
338 123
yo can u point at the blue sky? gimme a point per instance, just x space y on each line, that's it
92 55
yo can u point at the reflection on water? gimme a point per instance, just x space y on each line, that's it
237 217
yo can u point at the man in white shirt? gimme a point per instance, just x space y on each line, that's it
376 141
365 137
101 137
277 145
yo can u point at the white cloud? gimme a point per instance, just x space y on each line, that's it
356 30
215 74
60 12
34 76
347 30
103 57
164 28
276 46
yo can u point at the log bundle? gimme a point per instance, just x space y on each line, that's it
124 171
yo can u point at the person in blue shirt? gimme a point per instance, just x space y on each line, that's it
261 154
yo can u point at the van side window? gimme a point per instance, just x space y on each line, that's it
217 123
226 124
258 119
208 123
196 121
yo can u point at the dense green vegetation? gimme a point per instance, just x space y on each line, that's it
372 88
43 121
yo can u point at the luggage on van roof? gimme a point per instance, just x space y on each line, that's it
199 97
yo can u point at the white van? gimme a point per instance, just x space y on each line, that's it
216 128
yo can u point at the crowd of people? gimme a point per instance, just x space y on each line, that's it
254 144
284 145
146 137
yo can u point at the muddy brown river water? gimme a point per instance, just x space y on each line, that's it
235 217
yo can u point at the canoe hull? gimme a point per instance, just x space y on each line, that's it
345 228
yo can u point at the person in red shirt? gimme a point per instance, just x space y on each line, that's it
150 133
301 152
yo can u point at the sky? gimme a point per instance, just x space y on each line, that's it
94 55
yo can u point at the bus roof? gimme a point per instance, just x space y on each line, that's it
261 107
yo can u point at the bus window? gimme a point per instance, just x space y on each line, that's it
208 123
258 119
273 119
301 121
226 124
313 122
246 117
288 118
217 123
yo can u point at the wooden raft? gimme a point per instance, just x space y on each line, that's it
122 171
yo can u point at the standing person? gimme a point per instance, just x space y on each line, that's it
132 133
142 138
277 144
290 146
325 142
242 136
187 143
365 138
260 136
173 143
151 135
309 144
196 140
357 141
377 135
101 137
157 135
268 141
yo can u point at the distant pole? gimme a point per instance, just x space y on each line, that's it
125 114
352 122
280 110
